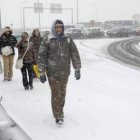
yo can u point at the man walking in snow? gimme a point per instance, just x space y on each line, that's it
55 56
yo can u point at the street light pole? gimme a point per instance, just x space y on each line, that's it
96 11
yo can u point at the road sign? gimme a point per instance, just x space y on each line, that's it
38 7
56 8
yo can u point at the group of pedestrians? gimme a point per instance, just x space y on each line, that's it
53 56
27 47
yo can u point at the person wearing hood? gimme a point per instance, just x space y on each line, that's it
55 56
7 40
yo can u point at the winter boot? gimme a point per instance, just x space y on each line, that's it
31 87
5 79
9 79
59 121
27 88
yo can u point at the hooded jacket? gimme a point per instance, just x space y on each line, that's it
8 40
56 54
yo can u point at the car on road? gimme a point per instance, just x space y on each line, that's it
93 33
74 33
136 31
119 32
45 32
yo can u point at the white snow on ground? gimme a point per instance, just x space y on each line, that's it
103 105
137 46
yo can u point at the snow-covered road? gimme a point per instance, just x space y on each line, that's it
103 105
127 52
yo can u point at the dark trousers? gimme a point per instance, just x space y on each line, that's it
27 74
58 91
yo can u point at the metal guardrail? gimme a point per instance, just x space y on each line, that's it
9 129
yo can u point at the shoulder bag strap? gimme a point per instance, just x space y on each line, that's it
26 50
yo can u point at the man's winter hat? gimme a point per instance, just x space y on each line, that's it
59 23
7 29
24 35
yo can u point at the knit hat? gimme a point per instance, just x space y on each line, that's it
59 23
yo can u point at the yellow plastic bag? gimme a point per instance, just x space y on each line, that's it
36 70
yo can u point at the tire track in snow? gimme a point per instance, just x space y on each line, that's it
125 52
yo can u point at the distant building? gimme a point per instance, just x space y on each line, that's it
136 17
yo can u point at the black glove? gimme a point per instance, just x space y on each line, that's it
43 78
77 74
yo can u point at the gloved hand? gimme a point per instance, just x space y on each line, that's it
43 78
77 74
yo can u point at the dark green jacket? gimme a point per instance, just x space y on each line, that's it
57 55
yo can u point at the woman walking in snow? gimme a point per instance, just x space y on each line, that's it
35 42
7 40
28 60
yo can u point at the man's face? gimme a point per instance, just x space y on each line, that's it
59 30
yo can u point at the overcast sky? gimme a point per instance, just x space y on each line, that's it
107 10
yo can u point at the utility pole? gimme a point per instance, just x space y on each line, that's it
39 14
77 11
24 19
71 15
